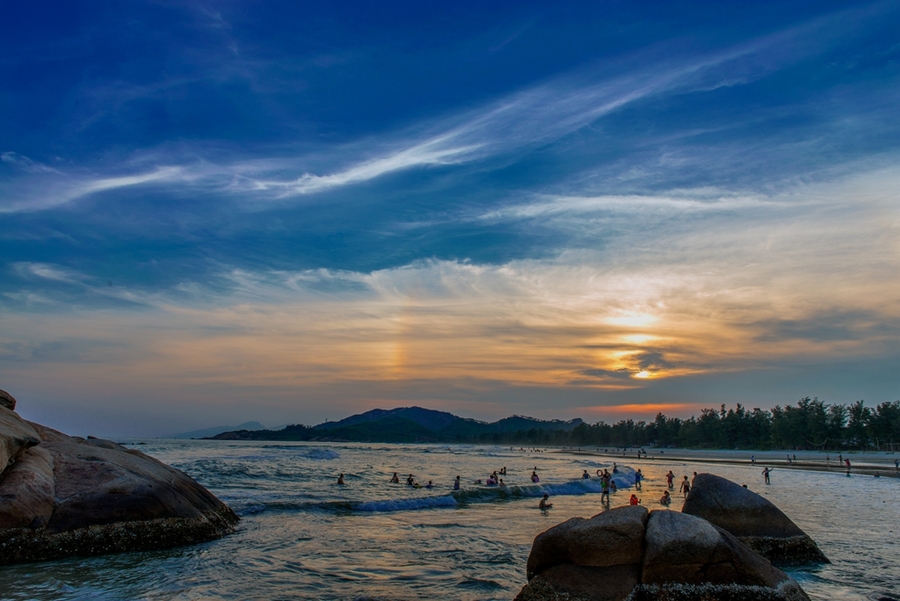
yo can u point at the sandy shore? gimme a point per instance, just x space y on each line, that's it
872 464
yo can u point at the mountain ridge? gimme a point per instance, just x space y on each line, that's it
404 424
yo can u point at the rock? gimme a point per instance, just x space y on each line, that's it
610 538
28 491
681 557
7 400
752 519
16 435
70 496
686 549
611 583
717 592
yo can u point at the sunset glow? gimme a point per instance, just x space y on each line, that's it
229 226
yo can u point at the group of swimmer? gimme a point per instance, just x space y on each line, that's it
494 479
607 484
411 481
685 487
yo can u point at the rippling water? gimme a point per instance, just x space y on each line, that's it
304 537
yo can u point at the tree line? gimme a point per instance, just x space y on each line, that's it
811 424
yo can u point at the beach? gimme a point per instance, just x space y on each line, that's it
862 463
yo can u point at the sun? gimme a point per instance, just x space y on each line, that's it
642 374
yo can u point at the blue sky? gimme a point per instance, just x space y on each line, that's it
223 211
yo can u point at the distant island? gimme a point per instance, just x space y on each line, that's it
811 424
207 432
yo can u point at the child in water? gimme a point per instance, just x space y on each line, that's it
634 500
544 504
666 499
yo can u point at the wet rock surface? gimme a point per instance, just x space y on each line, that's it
753 519
63 496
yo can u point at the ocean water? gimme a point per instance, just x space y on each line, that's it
304 537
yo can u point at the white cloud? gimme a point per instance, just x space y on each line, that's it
58 188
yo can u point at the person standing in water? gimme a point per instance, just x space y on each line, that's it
341 479
638 476
395 479
585 475
456 483
604 487
670 480
766 471
685 487
544 504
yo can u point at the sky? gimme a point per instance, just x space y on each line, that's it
215 212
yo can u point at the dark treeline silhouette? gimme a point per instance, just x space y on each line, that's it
811 424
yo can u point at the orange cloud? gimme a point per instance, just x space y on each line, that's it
668 409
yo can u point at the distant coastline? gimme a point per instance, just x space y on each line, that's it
809 427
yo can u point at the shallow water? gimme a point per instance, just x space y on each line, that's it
304 537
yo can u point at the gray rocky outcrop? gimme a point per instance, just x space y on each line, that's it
7 400
753 519
62 495
655 556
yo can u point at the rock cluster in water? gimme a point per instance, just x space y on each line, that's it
64 495
630 554
754 520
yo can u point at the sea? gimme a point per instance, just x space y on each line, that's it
303 536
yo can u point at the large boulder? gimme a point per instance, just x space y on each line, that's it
600 556
661 556
614 537
67 496
686 549
752 519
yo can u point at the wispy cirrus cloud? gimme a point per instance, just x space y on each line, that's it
517 123
61 188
